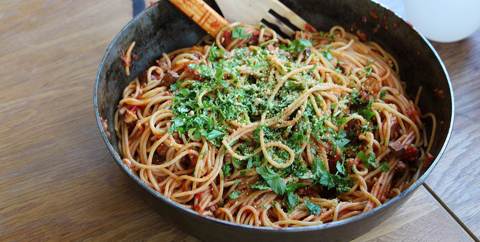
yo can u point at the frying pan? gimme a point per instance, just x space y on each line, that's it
162 28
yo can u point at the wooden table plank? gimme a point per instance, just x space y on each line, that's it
422 219
57 180
456 179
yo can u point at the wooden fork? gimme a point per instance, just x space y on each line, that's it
269 12
202 14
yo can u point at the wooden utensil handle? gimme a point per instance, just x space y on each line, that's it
202 14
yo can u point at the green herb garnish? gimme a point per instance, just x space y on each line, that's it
227 170
260 186
239 33
325 178
312 208
327 54
274 181
234 195
384 167
341 168
367 111
297 45
292 199
367 160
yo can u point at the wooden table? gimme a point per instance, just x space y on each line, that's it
57 181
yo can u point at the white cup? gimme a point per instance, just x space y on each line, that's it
444 20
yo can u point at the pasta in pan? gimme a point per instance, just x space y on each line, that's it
257 129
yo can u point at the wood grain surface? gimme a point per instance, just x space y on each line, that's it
456 179
57 181
202 14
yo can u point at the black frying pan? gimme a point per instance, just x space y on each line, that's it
162 28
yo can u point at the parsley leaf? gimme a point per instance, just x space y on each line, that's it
355 97
254 161
227 170
368 70
297 45
259 186
384 167
234 195
303 173
341 168
343 184
292 187
367 112
292 200
327 54
318 128
341 121
382 94
214 134
322 176
239 33
214 53
368 160
237 163
274 181
340 140
312 208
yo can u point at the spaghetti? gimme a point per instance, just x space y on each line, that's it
260 130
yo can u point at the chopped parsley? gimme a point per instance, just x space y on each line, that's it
312 208
292 199
368 70
382 94
227 170
367 111
325 178
322 176
340 140
298 45
259 186
384 167
274 180
367 160
327 54
214 134
238 164
341 168
254 161
234 195
355 97
239 33
235 85
292 187
215 53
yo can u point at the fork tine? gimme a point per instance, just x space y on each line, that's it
296 20
274 28
280 25
284 20
273 11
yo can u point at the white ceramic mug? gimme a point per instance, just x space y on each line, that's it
444 20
